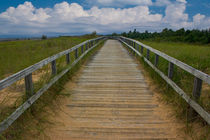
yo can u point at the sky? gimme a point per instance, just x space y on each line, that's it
76 17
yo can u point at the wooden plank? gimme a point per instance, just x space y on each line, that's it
203 76
9 120
93 107
205 115
21 74
29 85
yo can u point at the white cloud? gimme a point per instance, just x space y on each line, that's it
73 19
175 15
162 2
126 2
182 1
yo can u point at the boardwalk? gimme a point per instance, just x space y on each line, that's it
111 100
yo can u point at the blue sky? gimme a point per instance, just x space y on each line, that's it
54 17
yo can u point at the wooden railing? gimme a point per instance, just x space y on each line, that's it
138 47
27 75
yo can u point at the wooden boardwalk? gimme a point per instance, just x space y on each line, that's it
111 100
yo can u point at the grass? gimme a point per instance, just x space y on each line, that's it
35 119
17 55
198 57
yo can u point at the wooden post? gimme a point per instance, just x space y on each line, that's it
148 54
156 60
53 67
142 50
196 95
29 85
86 46
170 70
82 49
197 88
134 46
67 58
138 48
76 54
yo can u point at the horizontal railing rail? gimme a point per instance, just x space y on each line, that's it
137 47
27 75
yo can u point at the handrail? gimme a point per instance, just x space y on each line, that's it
199 76
203 76
21 74
27 73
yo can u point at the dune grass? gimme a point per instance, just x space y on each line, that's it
197 56
36 119
17 55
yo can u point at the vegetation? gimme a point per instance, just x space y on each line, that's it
181 35
194 55
197 56
44 37
35 119
17 55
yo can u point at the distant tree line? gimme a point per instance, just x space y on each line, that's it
181 35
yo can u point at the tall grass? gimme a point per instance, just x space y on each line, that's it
17 55
198 57
36 118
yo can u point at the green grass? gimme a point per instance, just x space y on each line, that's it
17 55
35 120
197 56
194 55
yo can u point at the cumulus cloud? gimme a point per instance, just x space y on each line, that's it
162 2
175 15
182 1
72 18
119 3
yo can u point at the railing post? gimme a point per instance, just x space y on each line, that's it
76 54
142 50
148 54
138 48
134 46
53 67
67 58
29 85
156 60
86 46
170 70
82 49
196 95
197 88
